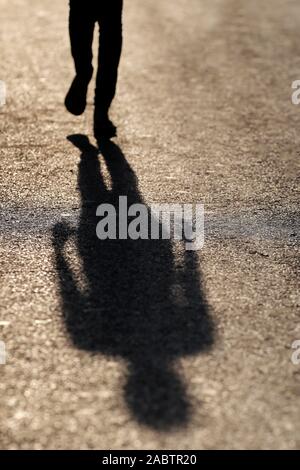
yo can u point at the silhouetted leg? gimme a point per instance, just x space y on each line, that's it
110 47
81 28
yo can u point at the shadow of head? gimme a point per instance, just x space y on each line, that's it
140 303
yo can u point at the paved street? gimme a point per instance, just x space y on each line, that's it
141 344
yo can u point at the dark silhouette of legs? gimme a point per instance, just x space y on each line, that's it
83 16
110 47
110 42
81 29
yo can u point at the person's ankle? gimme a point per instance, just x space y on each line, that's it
101 114
86 76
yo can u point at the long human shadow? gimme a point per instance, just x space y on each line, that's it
137 304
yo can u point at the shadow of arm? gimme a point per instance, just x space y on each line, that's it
70 293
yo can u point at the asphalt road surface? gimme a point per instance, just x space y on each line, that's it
141 344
